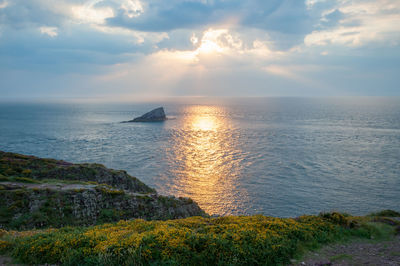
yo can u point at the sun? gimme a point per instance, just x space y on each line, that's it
208 47
211 41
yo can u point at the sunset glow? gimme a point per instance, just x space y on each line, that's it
307 48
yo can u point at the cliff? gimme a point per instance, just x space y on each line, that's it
39 193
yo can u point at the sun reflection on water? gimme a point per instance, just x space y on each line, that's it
206 161
204 123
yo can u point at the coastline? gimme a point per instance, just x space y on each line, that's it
233 240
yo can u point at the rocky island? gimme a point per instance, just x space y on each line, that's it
156 115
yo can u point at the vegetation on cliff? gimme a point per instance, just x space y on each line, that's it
34 168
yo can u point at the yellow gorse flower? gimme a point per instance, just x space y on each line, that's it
231 239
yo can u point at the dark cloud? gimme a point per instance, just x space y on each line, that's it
288 21
170 15
285 16
289 16
21 13
30 49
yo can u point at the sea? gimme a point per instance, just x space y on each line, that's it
234 156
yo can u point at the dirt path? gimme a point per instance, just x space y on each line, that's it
356 253
6 261
52 186
61 187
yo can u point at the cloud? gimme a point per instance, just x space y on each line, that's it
50 31
217 52
288 16
200 47
223 47
3 4
19 14
360 23
287 21
166 16
80 49
88 13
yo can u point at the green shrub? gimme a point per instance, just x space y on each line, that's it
4 178
5 215
10 172
26 172
387 213
109 215
107 191
25 180
335 217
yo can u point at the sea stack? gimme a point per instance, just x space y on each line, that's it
155 115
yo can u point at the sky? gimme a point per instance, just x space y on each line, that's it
134 49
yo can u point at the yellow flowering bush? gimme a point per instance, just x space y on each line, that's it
191 241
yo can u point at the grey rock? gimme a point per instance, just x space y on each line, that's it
155 115
40 207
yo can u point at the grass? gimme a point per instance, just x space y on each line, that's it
191 241
381 231
61 181
24 180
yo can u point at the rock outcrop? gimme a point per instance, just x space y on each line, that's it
37 193
56 205
156 115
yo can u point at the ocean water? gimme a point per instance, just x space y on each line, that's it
275 156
